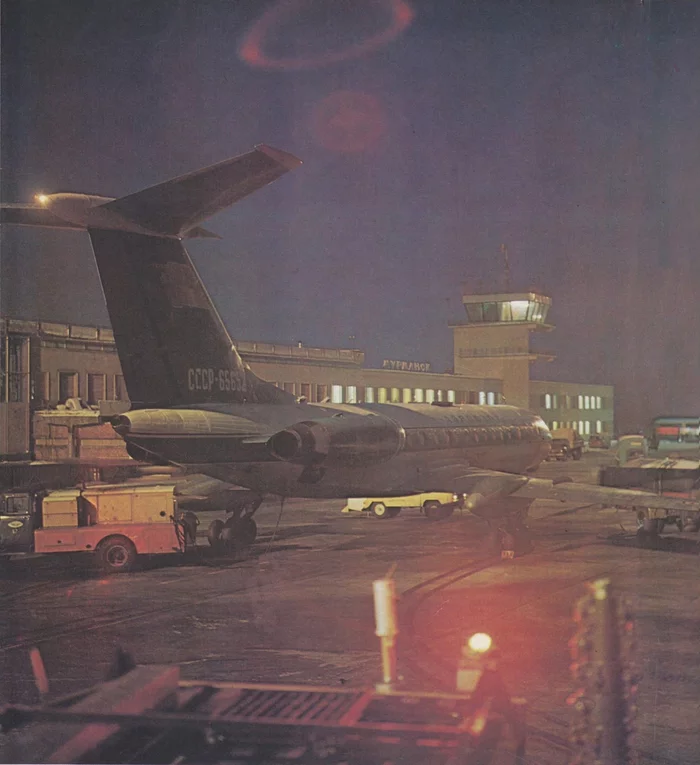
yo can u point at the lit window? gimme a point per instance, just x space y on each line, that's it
429 396
490 398
599 402
439 395
482 397
580 426
395 395
418 396
588 428
519 309
547 401
580 402
406 395
381 395
555 402
351 394
598 426
369 395
451 397
587 402
336 394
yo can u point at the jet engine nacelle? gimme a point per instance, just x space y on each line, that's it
349 439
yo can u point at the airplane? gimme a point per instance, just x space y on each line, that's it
196 405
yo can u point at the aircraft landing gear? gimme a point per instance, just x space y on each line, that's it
238 531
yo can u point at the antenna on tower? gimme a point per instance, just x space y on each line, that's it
506 266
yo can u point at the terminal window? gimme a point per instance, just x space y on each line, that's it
67 385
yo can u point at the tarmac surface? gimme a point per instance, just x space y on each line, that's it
298 609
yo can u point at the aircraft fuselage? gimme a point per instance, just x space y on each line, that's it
320 450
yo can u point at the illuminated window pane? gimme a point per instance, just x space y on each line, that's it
555 401
482 397
336 394
588 428
599 402
580 426
580 402
555 424
381 395
490 398
547 401
587 402
407 396
451 396
418 396
519 309
351 394
429 396
598 426
395 396
504 312
369 395
439 393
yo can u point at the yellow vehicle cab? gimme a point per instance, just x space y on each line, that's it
435 505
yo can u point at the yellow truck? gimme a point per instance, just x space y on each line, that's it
434 505
115 523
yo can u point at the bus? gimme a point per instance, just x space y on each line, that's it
674 432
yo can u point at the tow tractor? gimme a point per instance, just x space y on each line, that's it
114 523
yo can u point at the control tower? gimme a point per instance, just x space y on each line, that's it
494 341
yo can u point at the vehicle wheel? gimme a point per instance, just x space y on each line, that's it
392 512
214 532
379 510
116 554
576 454
434 511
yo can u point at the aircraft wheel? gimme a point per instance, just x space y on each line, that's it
116 554
214 532
239 533
379 510
434 511
247 531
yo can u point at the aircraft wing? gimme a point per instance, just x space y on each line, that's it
568 491
177 206
33 215
484 486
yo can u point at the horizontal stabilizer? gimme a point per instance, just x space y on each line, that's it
176 207
34 215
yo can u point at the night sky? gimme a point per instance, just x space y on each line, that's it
432 133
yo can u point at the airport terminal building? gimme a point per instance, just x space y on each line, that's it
46 368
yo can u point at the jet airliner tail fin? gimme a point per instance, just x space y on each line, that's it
172 345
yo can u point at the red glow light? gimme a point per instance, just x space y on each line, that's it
254 48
